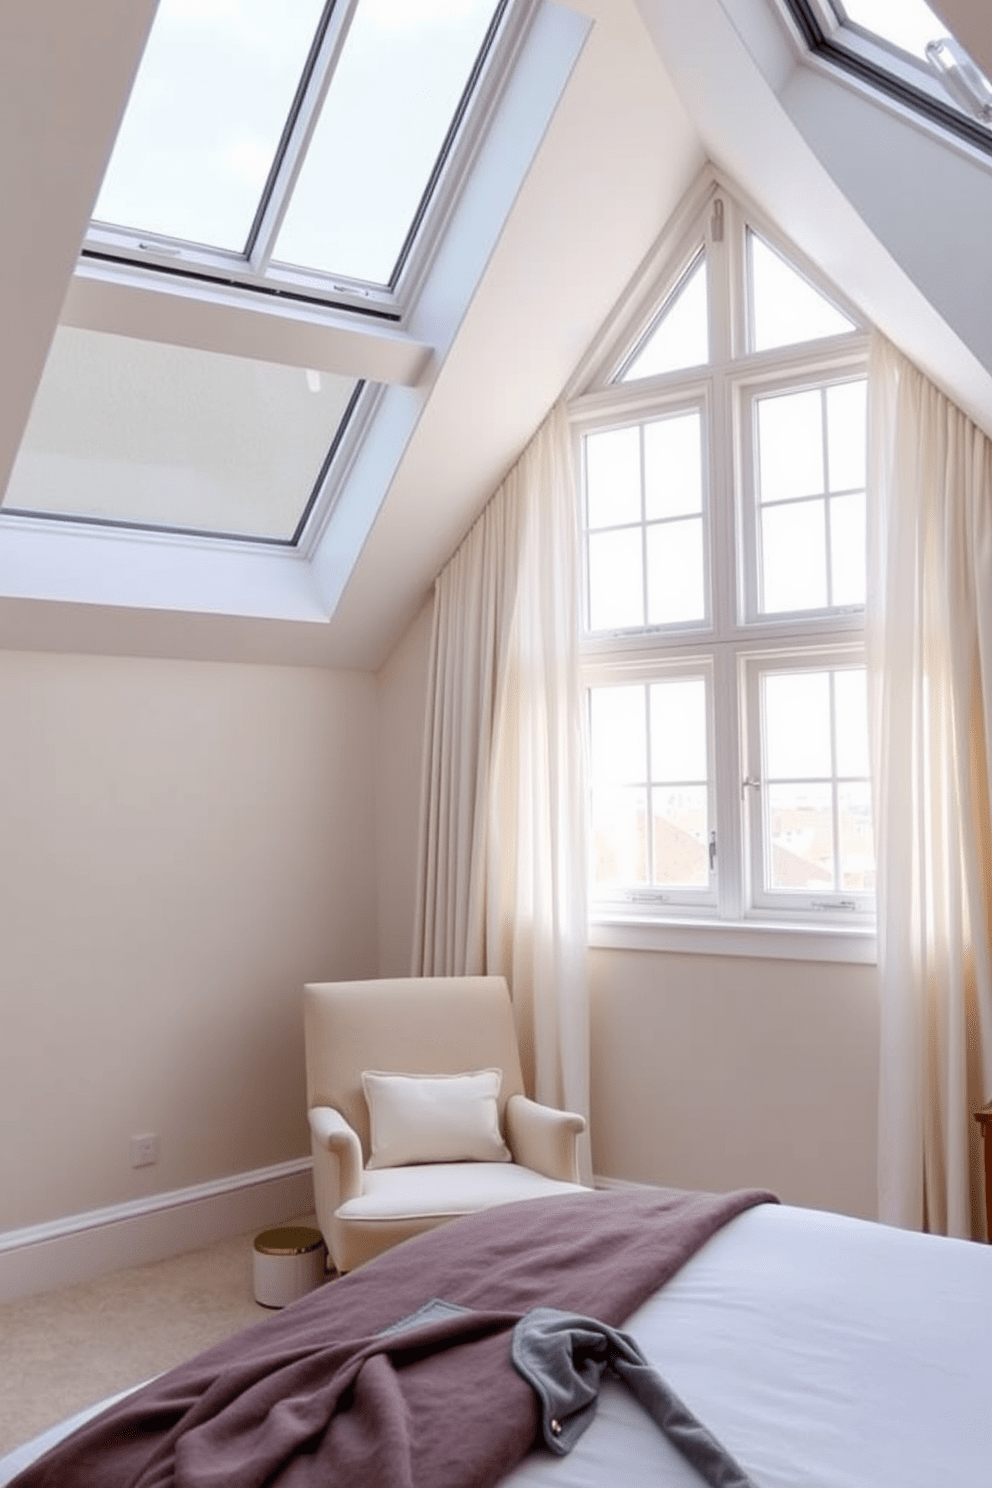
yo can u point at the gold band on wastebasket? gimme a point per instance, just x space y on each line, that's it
290 1241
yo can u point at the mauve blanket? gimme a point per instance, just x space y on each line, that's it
318 1395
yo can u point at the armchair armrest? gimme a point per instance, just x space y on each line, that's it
330 1132
544 1139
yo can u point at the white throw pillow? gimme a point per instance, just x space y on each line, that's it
434 1118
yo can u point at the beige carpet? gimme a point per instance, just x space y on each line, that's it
67 1349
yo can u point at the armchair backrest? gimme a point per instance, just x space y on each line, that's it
405 1025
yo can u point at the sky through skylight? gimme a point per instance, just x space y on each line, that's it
211 129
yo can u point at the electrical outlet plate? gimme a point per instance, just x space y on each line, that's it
144 1150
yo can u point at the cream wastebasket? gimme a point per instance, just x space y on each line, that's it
288 1263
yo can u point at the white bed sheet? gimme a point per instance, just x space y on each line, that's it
821 1350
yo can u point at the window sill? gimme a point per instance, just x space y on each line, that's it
771 940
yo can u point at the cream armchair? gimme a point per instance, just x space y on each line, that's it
376 1135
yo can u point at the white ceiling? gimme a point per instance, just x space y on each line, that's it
626 142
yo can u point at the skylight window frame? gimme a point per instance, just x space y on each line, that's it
901 78
254 269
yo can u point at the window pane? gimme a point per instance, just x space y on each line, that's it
393 96
616 581
800 837
619 837
796 719
793 557
617 736
908 24
678 730
149 434
675 573
785 308
681 337
847 445
847 550
680 837
790 446
857 839
613 477
851 707
673 466
205 116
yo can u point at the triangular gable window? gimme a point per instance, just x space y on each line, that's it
785 308
680 337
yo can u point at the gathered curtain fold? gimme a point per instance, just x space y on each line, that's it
502 878
929 624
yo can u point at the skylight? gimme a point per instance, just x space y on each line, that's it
392 99
297 150
142 434
205 117
907 51
309 136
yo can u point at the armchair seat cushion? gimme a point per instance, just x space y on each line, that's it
446 1189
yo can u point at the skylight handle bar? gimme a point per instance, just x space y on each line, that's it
314 83
969 87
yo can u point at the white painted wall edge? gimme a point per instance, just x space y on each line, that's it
79 1247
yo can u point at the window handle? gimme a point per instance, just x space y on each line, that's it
749 781
712 851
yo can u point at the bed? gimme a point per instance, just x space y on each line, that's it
819 1349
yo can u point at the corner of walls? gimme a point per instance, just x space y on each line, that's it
401 688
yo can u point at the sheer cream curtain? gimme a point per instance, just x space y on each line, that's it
930 661
502 886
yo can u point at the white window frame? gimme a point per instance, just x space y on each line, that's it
635 411
735 640
811 373
645 902
835 905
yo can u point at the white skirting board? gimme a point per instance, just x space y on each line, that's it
83 1246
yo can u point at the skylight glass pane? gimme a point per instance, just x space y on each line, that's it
205 118
907 24
681 337
155 435
785 308
403 69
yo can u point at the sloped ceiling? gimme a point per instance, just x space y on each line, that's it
618 155
659 87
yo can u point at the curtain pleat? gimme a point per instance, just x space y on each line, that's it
502 885
930 663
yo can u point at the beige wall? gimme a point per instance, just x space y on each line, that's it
707 1071
181 846
720 1072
